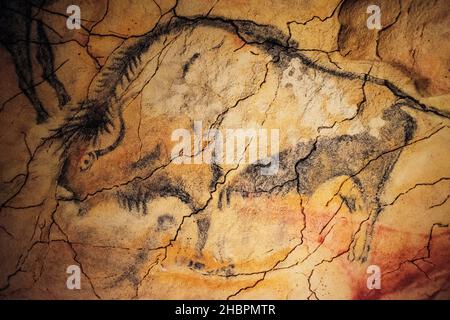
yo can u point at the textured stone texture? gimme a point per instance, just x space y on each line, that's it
364 176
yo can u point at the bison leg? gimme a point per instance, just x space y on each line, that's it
46 59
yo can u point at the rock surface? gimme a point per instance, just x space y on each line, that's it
363 124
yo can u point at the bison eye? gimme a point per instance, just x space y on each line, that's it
86 161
